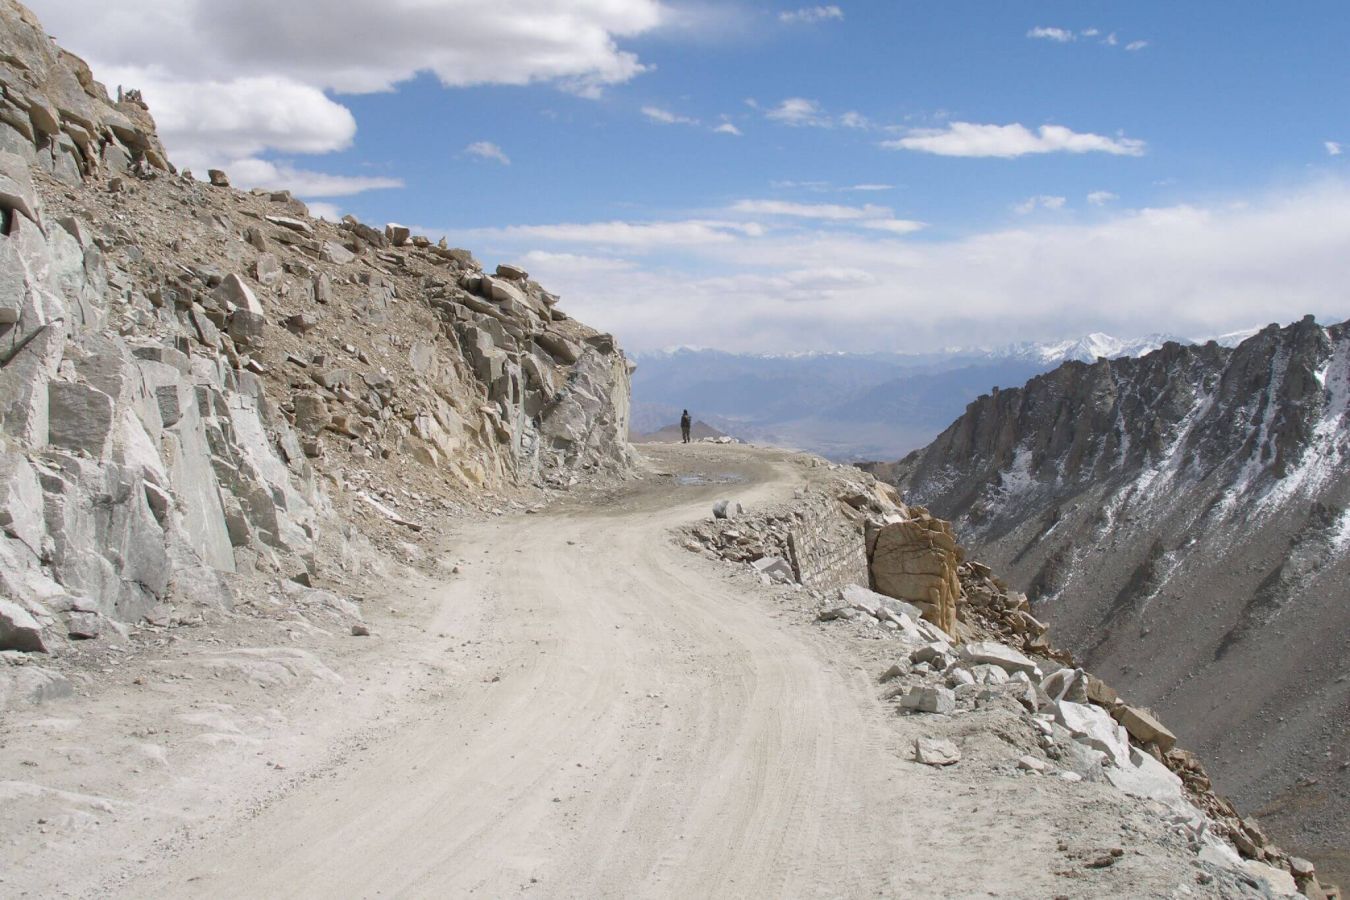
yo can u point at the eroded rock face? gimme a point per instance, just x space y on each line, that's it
187 371
916 561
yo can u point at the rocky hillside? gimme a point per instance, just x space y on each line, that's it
1180 519
200 385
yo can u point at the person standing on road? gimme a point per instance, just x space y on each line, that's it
685 423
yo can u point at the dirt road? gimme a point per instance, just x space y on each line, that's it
617 717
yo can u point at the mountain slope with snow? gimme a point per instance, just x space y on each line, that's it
1181 520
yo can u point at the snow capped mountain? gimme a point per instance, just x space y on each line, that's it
1182 522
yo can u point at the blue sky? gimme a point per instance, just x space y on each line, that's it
760 176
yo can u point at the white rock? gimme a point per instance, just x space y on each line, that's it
1145 777
1032 764
774 569
936 752
727 509
19 630
1094 726
995 654
930 700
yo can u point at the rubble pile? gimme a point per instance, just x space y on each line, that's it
966 643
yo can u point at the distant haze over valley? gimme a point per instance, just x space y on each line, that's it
852 406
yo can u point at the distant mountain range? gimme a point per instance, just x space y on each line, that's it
851 406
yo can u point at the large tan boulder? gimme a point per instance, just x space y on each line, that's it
916 561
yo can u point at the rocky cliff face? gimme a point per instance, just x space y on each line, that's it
1181 521
198 383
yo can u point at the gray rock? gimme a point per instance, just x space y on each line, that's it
559 347
774 569
397 234
932 699
16 187
218 177
336 253
936 752
19 630
512 273
993 653
79 418
21 502
727 509
84 626
296 225
267 268
235 294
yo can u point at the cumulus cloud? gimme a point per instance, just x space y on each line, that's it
639 236
728 128
489 151
1136 45
1009 141
297 51
798 111
1101 198
810 15
262 173
1058 35
1333 148
1040 201
1184 269
825 211
870 187
666 117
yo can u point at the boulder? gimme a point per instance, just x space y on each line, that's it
19 630
267 268
16 187
558 347
512 273
218 177
1143 776
397 234
916 560
992 653
936 752
1094 727
235 294
1144 728
774 569
1066 684
297 225
929 700
84 626
727 509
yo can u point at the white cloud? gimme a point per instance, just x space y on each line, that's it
798 111
1183 269
1101 198
870 187
261 173
727 128
853 119
1090 32
666 117
641 236
1008 141
295 51
832 212
1136 45
895 226
1059 35
329 211
1333 148
1040 201
1110 40
810 15
489 151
